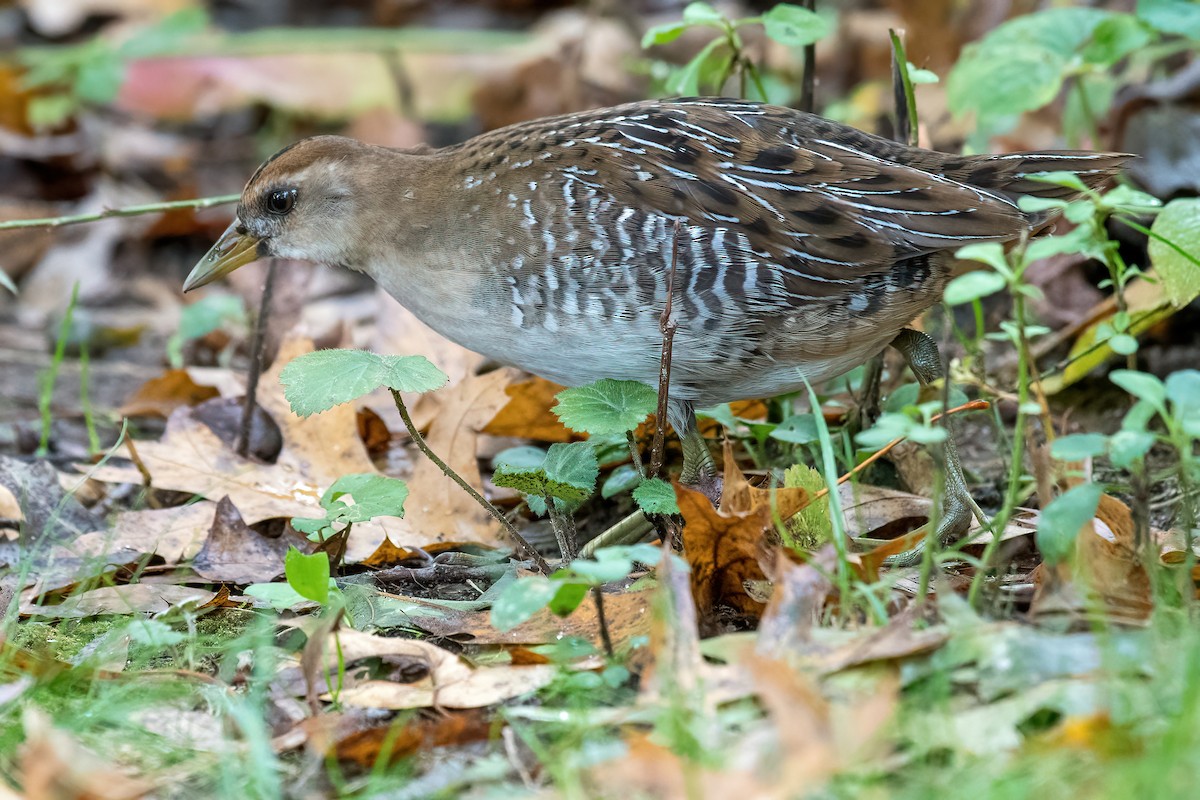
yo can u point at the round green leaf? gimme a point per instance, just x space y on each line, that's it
1141 385
656 496
320 380
973 286
522 599
1079 446
308 574
1175 249
1061 520
797 429
795 26
606 406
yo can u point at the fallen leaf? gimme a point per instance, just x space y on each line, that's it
162 395
235 553
438 507
317 450
528 414
132 598
53 765
448 683
387 743
724 546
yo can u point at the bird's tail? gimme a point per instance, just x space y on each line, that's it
1009 174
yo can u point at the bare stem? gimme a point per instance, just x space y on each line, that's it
419 440
128 211
257 346
667 325
598 596
808 79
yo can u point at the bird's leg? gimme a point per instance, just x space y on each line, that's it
921 353
699 468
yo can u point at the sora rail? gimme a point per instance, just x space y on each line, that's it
805 246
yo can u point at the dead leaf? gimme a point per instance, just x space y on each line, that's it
367 747
55 766
50 514
448 681
132 598
317 450
724 546
162 395
438 507
235 553
528 414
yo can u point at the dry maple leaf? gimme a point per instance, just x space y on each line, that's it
724 546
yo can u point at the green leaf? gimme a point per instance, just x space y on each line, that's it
1175 249
1115 38
7 282
686 79
567 598
990 253
613 563
1125 198
663 34
1141 385
1183 390
973 286
606 406
656 496
1123 344
1005 79
320 380
797 429
374 495
521 600
154 633
795 26
702 14
622 479
1126 447
568 472
308 575
1079 446
1061 521
1175 17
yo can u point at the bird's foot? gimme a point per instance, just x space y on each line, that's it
709 484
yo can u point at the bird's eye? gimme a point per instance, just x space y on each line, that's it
281 201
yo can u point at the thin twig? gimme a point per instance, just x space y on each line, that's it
598 596
128 211
666 324
419 441
257 346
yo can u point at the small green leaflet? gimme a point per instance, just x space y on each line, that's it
606 406
318 381
568 473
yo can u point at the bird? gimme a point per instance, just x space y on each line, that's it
799 247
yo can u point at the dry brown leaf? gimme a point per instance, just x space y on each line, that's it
317 450
436 506
448 683
724 546
55 766
627 614
367 747
528 413
162 395
1106 570
235 553
132 598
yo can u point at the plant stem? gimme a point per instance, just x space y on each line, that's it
257 345
50 376
419 441
808 80
128 211
598 596
666 324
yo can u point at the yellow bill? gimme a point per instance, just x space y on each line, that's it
231 251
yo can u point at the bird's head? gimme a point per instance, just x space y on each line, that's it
300 204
